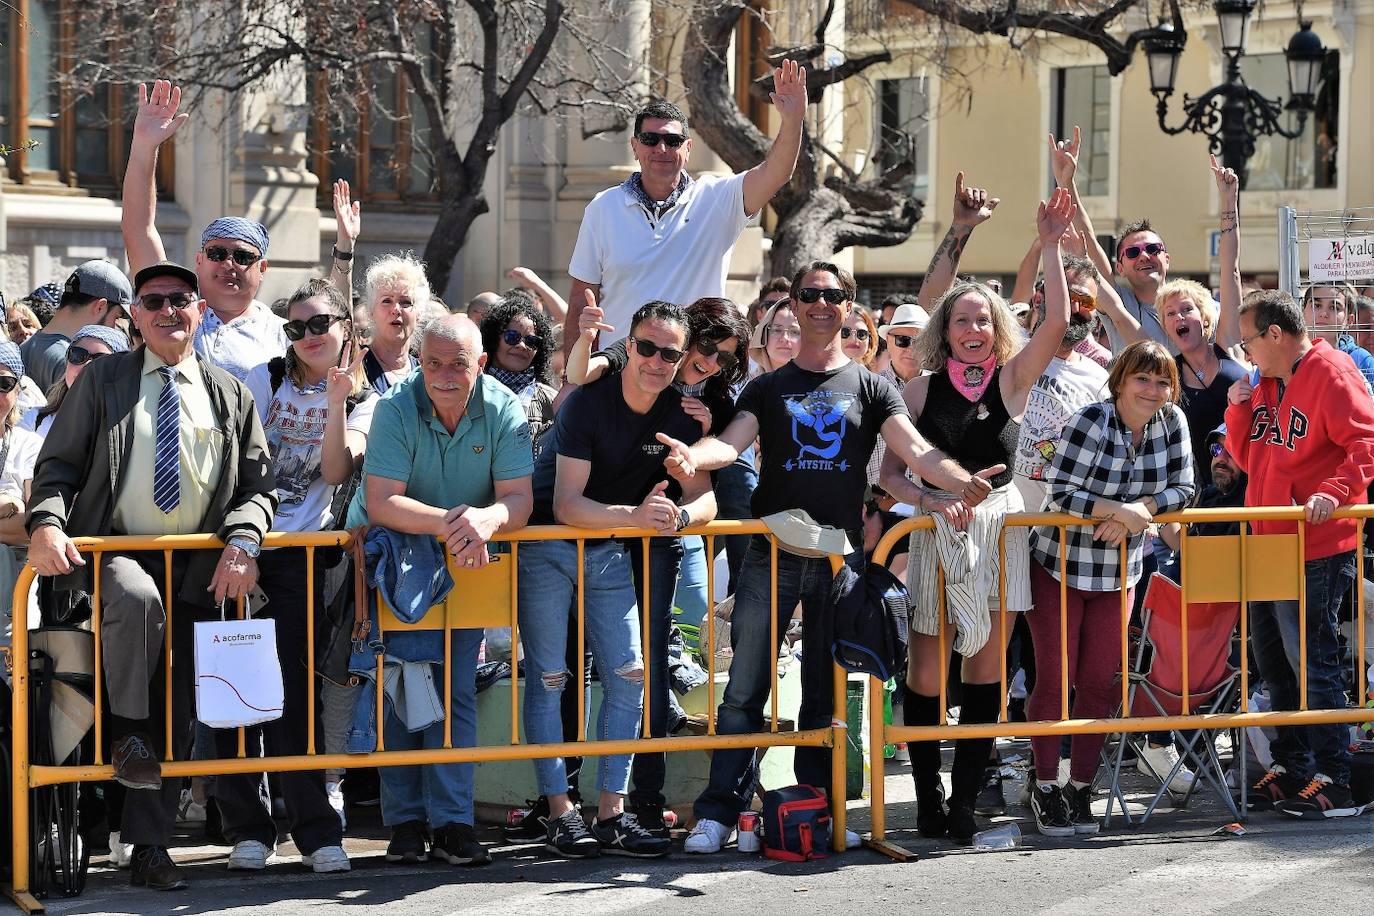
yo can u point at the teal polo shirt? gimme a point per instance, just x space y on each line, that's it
408 443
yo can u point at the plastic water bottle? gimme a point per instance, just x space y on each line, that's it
1008 836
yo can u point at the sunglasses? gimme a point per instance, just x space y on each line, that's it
242 256
861 333
511 338
315 324
154 302
810 294
1152 249
80 356
652 138
1217 449
724 358
8 383
900 341
1083 301
647 350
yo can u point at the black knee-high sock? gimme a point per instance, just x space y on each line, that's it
982 703
919 709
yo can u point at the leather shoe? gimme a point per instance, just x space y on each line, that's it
153 868
135 765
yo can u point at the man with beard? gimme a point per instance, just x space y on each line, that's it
1226 491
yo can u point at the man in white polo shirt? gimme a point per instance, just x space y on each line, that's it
665 235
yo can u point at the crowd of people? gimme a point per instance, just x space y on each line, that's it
178 402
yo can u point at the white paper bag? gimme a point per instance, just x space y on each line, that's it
238 674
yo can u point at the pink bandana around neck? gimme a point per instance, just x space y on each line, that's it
971 379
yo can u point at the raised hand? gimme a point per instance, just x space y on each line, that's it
1228 186
789 90
340 381
527 278
589 320
348 214
1055 216
1064 158
157 118
972 206
1074 242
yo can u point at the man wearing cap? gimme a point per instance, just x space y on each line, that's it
150 442
95 293
903 365
238 332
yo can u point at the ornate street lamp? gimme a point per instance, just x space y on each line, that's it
1232 116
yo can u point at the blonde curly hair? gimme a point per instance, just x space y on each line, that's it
933 345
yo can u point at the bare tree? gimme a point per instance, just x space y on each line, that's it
470 65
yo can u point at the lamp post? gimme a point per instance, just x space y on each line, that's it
1232 115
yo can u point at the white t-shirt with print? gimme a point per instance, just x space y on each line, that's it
679 258
244 343
1063 388
294 423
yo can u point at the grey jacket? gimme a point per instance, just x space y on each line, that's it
78 476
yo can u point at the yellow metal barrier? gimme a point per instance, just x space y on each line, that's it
495 587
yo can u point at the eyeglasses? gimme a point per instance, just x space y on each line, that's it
810 294
900 341
315 324
724 358
647 350
861 333
1152 249
1217 449
80 356
1245 342
8 383
242 256
513 337
154 302
1083 301
784 333
651 138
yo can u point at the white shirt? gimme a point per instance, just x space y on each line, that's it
244 343
294 423
19 463
680 258
1064 388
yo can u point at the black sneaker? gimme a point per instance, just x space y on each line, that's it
153 868
534 825
457 844
962 824
1080 802
1271 789
622 835
931 821
651 818
1319 799
409 843
1051 811
991 802
567 836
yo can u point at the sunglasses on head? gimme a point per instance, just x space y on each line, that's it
900 341
1083 301
647 350
513 337
8 383
80 356
242 256
1152 249
810 294
724 358
154 302
651 138
861 333
315 324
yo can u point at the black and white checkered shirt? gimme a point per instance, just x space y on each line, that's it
1095 461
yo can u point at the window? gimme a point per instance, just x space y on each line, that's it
904 130
64 137
1081 97
1310 160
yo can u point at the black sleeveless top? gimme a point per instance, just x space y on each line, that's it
951 424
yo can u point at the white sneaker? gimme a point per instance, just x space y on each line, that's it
1158 761
334 790
708 836
189 811
121 854
249 855
327 859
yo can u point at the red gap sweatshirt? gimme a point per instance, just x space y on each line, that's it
1318 439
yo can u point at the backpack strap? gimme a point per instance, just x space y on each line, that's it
276 369
355 546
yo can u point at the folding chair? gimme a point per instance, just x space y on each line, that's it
1213 686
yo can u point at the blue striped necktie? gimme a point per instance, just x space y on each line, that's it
167 456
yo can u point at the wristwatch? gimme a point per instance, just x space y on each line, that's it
683 519
247 545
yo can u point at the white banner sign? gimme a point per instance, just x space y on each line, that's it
1350 258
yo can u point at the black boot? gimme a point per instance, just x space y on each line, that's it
918 709
982 703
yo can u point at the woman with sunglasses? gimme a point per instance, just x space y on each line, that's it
970 408
91 342
316 410
518 341
18 454
859 336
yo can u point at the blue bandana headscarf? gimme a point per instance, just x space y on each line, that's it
10 358
247 231
115 339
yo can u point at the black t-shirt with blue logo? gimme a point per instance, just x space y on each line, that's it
596 425
817 431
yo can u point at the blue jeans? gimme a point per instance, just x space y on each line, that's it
665 555
1304 751
548 588
690 598
735 485
439 794
734 772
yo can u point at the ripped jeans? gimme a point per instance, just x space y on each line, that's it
548 588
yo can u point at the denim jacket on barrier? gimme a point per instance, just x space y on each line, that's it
411 572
